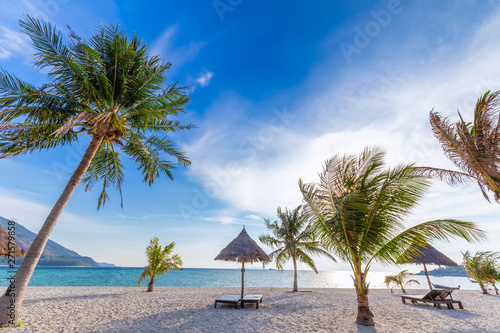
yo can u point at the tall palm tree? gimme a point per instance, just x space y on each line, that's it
160 261
105 87
474 147
482 267
400 279
294 239
359 208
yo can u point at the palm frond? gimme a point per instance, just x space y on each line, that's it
473 147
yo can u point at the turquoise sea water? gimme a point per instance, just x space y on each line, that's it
204 277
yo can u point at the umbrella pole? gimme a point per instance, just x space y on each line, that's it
427 275
242 278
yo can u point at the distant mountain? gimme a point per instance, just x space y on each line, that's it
106 264
446 271
53 255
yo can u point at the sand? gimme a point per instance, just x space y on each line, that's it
191 309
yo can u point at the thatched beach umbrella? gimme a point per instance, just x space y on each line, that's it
243 249
427 254
14 251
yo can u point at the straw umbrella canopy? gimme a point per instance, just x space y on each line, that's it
427 254
14 250
243 249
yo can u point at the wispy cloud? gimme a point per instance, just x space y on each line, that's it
178 54
32 214
12 43
225 219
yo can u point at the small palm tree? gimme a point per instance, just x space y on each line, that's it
472 146
105 88
400 279
294 239
493 273
160 261
482 268
359 209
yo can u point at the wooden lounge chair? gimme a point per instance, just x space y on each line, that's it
437 297
446 295
251 298
230 299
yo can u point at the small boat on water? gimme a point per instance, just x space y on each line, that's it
444 287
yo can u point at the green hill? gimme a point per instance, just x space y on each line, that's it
53 255
445 271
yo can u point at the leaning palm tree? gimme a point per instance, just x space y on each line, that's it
105 88
160 261
474 147
359 208
482 268
401 279
493 274
294 239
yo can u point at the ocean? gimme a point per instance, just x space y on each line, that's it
208 277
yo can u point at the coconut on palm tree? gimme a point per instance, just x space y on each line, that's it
401 279
160 261
482 268
105 88
294 238
359 208
472 146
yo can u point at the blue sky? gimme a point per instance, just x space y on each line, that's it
276 89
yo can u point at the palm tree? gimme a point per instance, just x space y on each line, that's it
400 279
493 274
294 239
482 268
359 208
474 147
106 87
160 261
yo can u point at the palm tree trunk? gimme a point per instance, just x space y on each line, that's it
151 284
494 287
11 301
294 273
402 288
483 288
365 315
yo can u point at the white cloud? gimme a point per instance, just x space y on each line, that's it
204 78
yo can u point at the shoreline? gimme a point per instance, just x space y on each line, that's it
191 309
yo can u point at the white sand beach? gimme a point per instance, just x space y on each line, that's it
191 309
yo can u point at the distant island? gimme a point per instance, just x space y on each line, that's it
106 264
445 271
54 253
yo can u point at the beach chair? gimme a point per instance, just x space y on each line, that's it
229 299
437 297
251 298
446 296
